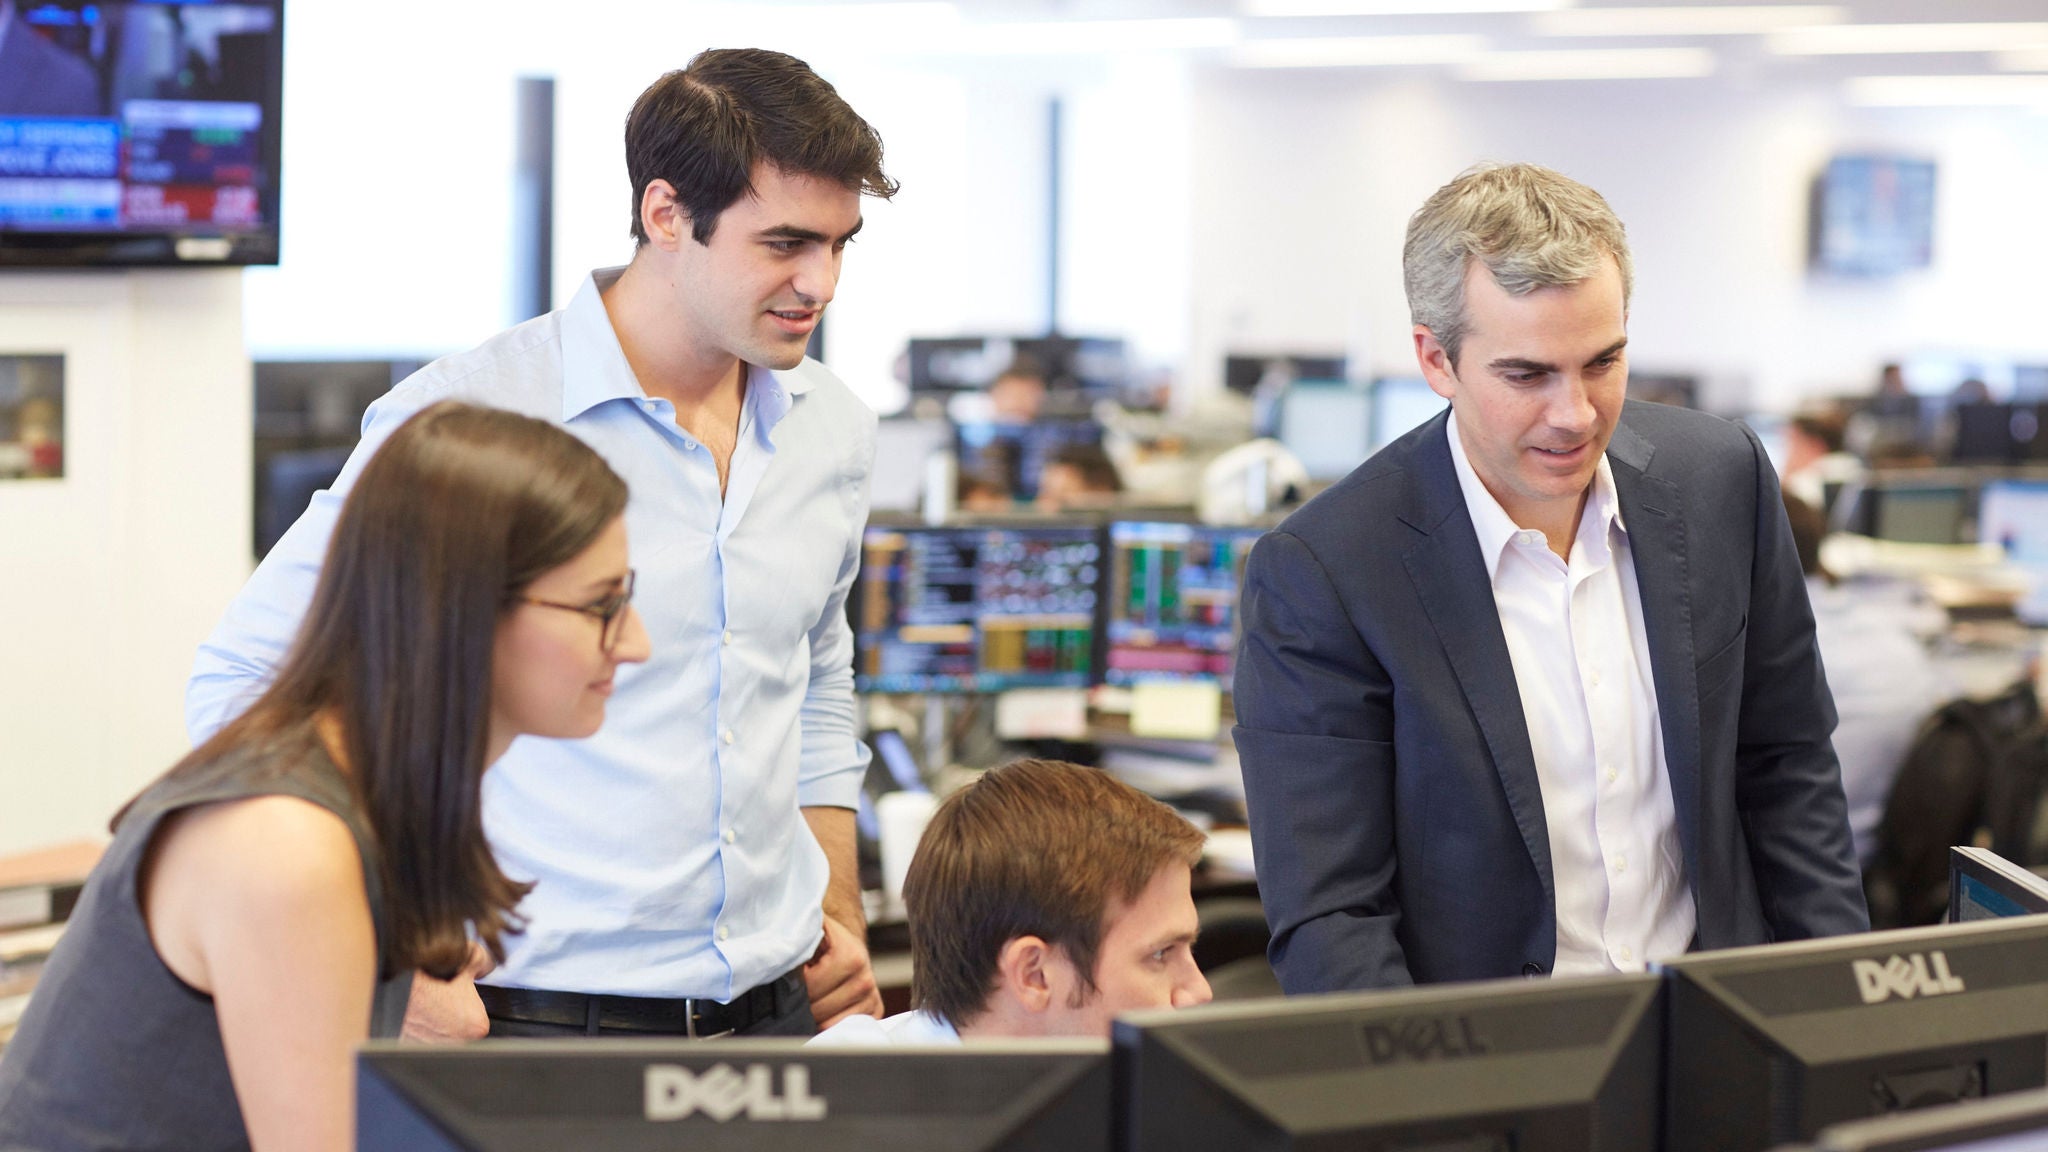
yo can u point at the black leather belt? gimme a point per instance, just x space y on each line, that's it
652 1014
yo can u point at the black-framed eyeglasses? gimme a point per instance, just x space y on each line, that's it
609 612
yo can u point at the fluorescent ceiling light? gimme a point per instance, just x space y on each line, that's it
1592 64
1949 91
1068 37
1730 20
1393 7
1858 39
2025 60
1358 51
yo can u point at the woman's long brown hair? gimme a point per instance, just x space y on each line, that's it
454 516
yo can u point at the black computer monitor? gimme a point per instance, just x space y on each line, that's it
2015 1123
1769 1045
1982 885
1013 456
1928 507
718 1096
1244 372
1170 608
1527 1065
1984 434
976 609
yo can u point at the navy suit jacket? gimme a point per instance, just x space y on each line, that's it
1395 810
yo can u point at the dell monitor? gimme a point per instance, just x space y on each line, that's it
2015 1123
976 609
1171 602
1526 1065
1982 885
728 1095
1768 1045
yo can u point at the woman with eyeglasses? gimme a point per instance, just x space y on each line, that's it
218 970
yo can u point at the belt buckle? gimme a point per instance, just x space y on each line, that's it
690 1023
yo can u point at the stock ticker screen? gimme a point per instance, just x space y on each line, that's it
1172 596
138 117
976 609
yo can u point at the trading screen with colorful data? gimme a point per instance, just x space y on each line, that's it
135 132
976 609
1172 600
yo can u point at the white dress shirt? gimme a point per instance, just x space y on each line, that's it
903 1028
668 850
1582 667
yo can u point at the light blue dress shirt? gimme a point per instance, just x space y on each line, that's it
668 850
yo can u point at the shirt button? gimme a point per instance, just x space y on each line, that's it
690 444
727 638
1627 956
724 933
1620 865
731 836
1596 679
726 736
1611 773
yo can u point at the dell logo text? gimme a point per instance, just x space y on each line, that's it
1905 977
721 1093
1449 1038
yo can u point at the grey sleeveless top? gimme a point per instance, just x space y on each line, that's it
115 1052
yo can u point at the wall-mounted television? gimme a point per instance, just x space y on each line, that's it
135 132
1874 215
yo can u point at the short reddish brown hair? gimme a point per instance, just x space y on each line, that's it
1033 848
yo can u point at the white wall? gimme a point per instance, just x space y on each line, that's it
110 576
1304 183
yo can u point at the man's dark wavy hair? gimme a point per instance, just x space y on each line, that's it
704 128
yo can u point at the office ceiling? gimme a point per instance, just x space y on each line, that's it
1883 51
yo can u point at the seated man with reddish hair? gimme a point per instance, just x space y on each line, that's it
1044 899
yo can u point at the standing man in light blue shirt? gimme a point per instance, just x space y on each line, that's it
676 889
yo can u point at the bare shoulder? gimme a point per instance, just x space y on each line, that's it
277 850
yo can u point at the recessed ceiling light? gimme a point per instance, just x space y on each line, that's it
1358 51
1856 39
1730 20
1592 64
1949 91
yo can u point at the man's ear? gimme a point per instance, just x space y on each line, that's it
1435 363
662 216
1024 972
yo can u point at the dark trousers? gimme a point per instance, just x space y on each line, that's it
792 1017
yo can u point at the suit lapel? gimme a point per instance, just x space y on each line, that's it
1653 508
1456 591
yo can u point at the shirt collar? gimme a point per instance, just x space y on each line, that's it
594 367
1493 526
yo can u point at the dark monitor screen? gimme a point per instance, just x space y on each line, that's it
1769 1045
1013 456
1526 1065
1095 365
1244 373
1676 389
967 609
2015 1123
139 133
728 1095
1929 507
1993 433
1171 603
1982 885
